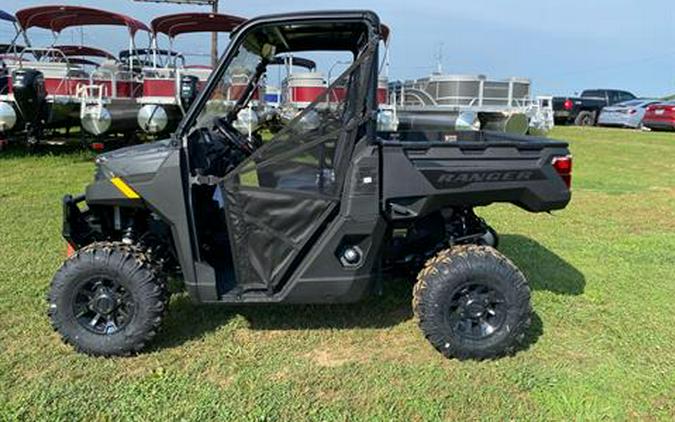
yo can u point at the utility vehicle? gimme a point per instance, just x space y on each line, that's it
316 214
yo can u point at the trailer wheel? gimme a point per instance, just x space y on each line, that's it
107 300
585 118
471 302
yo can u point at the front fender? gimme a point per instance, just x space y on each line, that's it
104 192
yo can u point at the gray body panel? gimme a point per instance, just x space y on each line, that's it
156 172
475 173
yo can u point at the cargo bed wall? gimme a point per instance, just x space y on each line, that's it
478 169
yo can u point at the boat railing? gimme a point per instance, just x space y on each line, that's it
92 95
50 53
484 93
113 79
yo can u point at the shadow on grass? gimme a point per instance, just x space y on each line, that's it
187 321
543 268
62 147
20 150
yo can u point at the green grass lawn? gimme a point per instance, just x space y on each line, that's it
602 344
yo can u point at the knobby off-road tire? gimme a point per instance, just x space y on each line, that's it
108 300
471 302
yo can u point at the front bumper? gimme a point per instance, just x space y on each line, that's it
75 229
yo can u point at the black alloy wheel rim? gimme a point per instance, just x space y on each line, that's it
476 311
102 306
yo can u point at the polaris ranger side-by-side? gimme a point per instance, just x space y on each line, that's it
315 214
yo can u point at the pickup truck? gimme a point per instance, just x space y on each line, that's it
584 110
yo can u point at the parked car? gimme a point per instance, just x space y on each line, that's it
584 110
660 116
626 114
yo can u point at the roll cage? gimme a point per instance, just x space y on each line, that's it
300 172
291 33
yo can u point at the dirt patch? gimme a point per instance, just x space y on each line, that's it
217 378
281 375
399 344
248 336
332 357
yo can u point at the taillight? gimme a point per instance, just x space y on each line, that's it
568 105
563 166
70 250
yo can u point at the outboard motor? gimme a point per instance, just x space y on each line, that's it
28 86
188 90
4 78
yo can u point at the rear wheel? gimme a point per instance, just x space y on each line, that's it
107 299
471 302
585 118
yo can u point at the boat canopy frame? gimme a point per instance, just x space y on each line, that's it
13 47
58 18
290 60
155 54
84 51
184 23
5 16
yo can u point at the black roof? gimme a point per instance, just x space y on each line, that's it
339 31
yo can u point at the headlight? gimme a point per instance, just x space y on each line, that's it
100 171
247 121
386 119
309 121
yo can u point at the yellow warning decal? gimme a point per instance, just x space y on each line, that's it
124 188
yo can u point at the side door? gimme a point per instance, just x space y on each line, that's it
613 97
280 198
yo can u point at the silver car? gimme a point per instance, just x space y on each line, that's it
625 114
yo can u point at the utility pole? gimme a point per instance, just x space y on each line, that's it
439 58
214 39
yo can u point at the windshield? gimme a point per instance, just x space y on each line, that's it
593 94
232 85
238 95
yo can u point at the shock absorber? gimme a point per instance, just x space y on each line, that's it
129 235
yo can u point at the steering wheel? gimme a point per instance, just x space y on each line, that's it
233 137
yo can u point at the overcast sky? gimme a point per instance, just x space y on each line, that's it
563 47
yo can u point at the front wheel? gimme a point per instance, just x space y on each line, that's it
471 302
107 300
